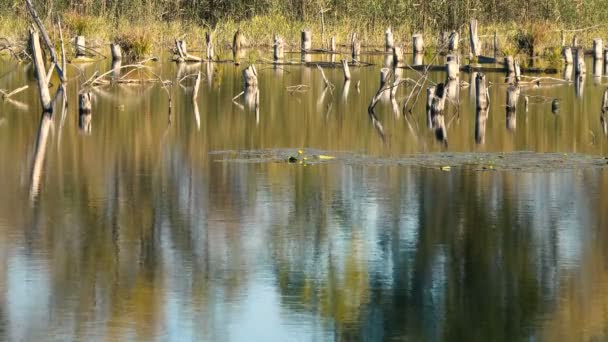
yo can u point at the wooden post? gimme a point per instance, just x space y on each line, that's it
209 41
278 48
43 89
482 96
306 40
80 46
389 41
116 52
453 42
452 69
474 38
598 48
418 43
580 61
567 52
346 70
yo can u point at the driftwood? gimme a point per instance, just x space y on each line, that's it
7 94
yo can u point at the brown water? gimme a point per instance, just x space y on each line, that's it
156 226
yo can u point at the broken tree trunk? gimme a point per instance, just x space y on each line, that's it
116 52
474 39
567 52
579 62
389 40
250 76
452 69
306 40
278 46
418 43
356 48
598 48
47 41
209 42
453 42
80 46
510 65
43 89
346 70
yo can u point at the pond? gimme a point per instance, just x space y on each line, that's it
158 224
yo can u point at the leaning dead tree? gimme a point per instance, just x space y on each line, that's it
41 75
47 41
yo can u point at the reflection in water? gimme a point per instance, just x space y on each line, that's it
306 57
579 85
116 69
418 59
481 118
141 232
511 119
345 90
568 72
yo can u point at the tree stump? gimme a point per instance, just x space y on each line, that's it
209 50
397 55
452 69
84 112
356 48
512 97
389 40
482 96
116 52
453 42
332 44
250 76
575 42
474 38
579 61
279 51
510 65
418 43
567 53
306 43
598 49
346 70
430 94
80 46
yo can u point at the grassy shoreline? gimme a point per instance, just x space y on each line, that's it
152 37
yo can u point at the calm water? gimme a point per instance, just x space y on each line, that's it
139 231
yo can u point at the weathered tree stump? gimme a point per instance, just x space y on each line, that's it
418 43
474 38
579 61
41 76
579 85
517 71
306 40
116 52
356 48
510 65
389 40
452 69
437 108
279 50
453 42
80 46
568 72
250 76
346 70
332 44
418 59
567 53
598 68
209 42
598 48
575 42
237 46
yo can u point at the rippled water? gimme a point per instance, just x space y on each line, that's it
152 228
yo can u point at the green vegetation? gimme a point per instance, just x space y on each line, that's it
524 27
